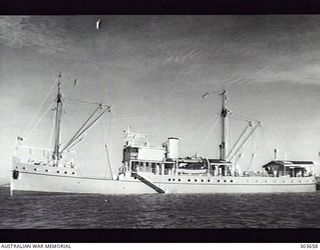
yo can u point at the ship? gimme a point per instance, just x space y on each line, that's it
147 169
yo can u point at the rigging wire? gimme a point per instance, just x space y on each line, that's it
208 134
74 137
245 140
84 131
39 121
72 100
266 142
253 154
107 145
240 138
27 132
211 121
250 162
216 138
52 130
243 117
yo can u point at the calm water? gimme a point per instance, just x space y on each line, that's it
160 211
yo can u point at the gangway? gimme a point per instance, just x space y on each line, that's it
147 182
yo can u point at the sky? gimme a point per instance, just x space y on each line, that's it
153 71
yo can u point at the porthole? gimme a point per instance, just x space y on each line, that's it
225 180
173 179
72 172
299 180
58 172
189 180
208 180
195 180
65 172
291 181
201 180
265 181
24 168
275 181
46 170
35 169
218 180
169 179
231 180
179 179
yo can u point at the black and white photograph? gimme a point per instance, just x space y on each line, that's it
160 122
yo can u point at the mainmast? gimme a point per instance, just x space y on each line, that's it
224 116
57 131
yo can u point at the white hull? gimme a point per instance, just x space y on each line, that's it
44 182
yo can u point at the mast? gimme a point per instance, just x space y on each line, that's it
223 116
57 130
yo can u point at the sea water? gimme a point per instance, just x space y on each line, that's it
73 211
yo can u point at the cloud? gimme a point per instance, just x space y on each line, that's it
39 33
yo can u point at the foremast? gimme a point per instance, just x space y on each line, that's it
224 120
57 131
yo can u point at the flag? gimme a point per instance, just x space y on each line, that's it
19 138
75 82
